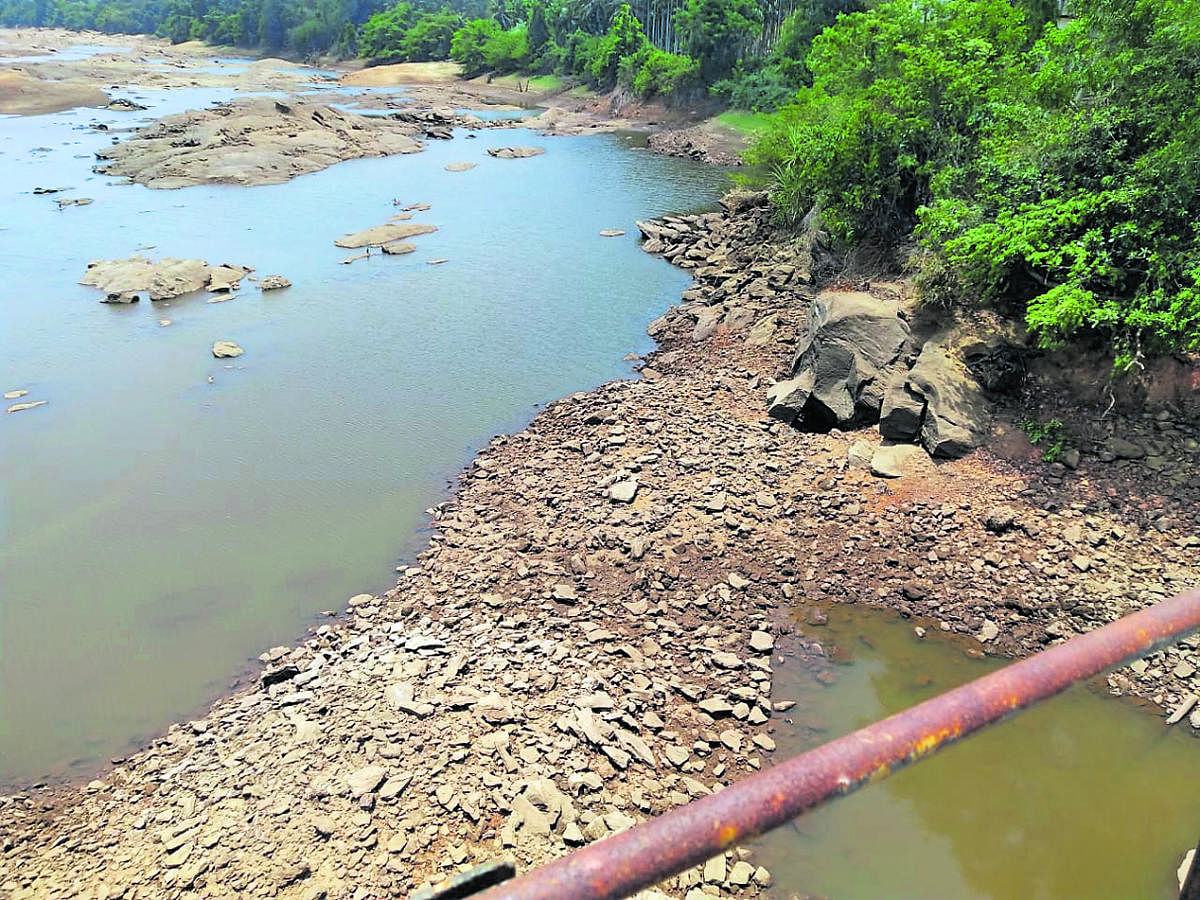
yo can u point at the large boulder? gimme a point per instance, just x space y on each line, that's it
940 401
852 349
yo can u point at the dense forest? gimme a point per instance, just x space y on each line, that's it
1047 161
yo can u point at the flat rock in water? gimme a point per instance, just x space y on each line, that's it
14 395
33 404
274 283
251 141
162 279
383 234
398 248
515 152
460 166
226 350
611 232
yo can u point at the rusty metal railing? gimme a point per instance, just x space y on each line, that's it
646 854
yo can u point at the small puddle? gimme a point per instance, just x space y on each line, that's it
1081 797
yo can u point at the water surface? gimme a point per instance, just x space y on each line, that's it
1080 798
157 531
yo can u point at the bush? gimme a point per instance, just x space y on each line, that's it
761 90
467 45
430 36
652 72
383 32
507 51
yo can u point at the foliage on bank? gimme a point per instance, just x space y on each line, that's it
1051 165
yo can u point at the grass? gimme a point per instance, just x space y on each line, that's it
744 122
537 84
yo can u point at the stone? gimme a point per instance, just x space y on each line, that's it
226 350
786 399
989 631
903 410
273 283
897 460
741 873
715 870
382 235
515 152
1185 706
460 166
1124 449
725 660
859 455
21 407
761 642
398 248
853 345
999 519
957 412
623 491
611 232
365 780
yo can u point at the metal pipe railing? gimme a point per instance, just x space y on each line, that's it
644 855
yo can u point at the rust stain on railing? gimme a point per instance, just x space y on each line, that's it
625 863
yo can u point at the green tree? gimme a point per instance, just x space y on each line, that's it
716 31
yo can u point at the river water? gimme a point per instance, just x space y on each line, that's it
158 531
1080 798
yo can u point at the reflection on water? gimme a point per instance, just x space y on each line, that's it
158 531
1081 797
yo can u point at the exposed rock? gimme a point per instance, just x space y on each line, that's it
365 780
383 234
160 279
31 404
273 283
251 141
23 94
460 166
226 350
611 232
897 460
853 346
398 248
957 414
515 152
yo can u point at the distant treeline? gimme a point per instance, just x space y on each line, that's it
291 25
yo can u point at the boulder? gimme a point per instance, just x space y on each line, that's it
226 350
854 346
903 410
786 399
957 413
274 283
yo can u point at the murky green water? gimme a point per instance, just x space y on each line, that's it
1080 798
157 531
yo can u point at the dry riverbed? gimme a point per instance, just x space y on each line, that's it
591 635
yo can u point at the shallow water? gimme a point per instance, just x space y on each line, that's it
1080 797
73 53
156 531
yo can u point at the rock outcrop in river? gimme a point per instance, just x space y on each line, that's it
249 142
122 279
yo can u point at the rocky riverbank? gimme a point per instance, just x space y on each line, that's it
591 634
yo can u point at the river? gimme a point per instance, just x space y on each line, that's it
167 516
159 532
